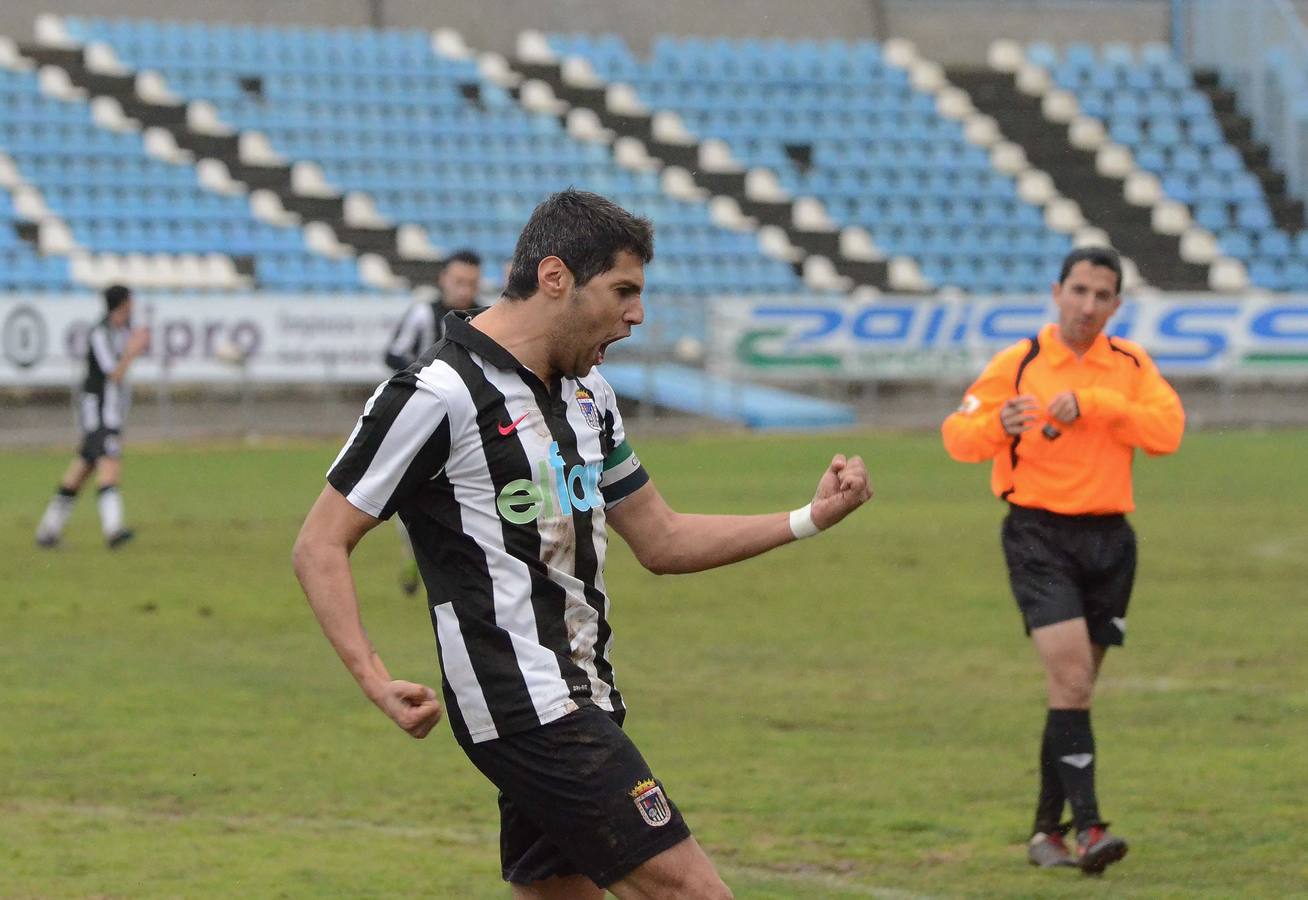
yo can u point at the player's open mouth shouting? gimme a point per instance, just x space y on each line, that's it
604 347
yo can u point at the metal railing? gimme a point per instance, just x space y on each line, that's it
1259 48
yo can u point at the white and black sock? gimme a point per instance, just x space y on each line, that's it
57 513
110 504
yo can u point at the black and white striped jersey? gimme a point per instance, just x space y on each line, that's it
103 403
502 483
417 330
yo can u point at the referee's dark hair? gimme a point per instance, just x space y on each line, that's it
115 296
1106 257
468 257
584 230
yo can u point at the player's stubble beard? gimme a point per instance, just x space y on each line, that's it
564 341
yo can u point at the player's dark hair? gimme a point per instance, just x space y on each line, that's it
1105 257
469 257
584 230
115 296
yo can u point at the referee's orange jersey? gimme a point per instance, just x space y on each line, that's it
1085 468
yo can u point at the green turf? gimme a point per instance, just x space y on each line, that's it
853 716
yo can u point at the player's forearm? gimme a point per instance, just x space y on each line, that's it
120 370
694 543
324 574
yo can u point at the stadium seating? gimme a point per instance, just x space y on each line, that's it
21 267
1150 104
837 122
431 141
115 198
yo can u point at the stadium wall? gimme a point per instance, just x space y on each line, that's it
958 32
950 31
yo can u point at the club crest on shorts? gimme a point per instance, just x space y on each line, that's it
586 403
653 806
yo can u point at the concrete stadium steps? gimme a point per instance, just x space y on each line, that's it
693 391
1287 211
1074 173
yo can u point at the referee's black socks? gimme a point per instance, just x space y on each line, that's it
1049 808
1070 744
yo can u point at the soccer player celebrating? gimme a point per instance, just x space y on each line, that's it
112 345
458 285
1061 415
503 450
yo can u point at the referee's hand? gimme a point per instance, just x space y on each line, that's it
1018 414
1064 408
413 707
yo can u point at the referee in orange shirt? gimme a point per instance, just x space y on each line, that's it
1060 415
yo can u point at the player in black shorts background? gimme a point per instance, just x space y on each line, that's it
111 346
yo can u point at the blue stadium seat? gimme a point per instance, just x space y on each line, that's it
1253 216
114 196
1148 100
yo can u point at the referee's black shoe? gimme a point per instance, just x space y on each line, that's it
118 538
1096 849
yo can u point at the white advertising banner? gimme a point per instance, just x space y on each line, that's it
205 340
318 339
901 337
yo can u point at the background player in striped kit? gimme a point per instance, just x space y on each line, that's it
457 288
504 451
457 285
102 404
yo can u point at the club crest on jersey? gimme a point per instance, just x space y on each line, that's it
653 806
586 403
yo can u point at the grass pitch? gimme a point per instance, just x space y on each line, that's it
853 716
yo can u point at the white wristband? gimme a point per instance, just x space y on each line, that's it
801 522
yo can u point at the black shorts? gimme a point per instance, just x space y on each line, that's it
1071 567
576 797
101 443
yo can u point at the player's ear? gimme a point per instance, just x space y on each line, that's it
553 277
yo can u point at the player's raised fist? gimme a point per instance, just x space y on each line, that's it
843 488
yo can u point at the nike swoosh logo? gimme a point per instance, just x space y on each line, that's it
506 430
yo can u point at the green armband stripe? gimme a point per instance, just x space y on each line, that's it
623 474
618 456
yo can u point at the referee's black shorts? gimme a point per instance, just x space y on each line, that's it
576 797
1071 567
